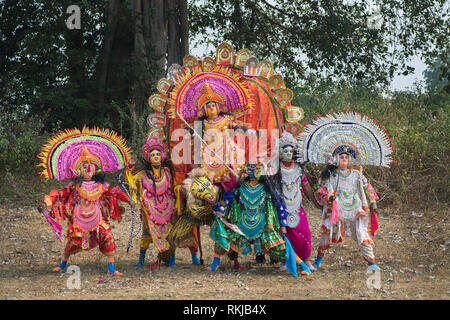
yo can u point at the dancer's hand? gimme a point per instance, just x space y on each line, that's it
283 230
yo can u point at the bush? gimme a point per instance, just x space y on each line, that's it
21 137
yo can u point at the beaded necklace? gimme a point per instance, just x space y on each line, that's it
90 191
160 205
253 208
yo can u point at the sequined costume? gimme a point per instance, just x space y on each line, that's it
344 140
87 203
297 230
253 212
222 143
250 220
87 207
353 213
157 202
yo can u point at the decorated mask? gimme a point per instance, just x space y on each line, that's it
148 150
203 189
86 165
254 170
343 156
288 145
287 153
205 105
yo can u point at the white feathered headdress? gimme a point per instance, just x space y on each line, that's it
351 132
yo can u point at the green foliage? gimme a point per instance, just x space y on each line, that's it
437 77
333 36
20 141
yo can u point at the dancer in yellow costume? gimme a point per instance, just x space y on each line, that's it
219 135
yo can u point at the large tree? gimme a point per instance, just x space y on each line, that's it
328 39
71 77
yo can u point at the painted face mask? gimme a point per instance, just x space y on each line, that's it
203 189
287 153
155 157
151 146
254 170
86 165
344 151
88 170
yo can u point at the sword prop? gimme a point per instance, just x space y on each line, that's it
133 214
207 146
56 227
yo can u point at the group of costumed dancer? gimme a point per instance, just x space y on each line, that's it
239 168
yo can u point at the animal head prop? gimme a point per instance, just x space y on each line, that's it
199 185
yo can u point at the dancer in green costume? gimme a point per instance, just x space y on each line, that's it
250 220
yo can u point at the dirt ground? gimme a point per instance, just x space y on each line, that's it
411 249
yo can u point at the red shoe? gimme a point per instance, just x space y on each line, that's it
237 266
155 265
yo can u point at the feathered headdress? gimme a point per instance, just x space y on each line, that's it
63 154
287 139
208 96
350 132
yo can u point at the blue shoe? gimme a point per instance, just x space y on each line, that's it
61 267
112 270
141 259
213 266
171 261
304 269
317 263
373 266
195 259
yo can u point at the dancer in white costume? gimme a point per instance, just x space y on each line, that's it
345 142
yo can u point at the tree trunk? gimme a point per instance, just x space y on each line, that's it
178 31
184 27
158 36
174 43
111 26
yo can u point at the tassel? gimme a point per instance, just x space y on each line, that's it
335 213
373 222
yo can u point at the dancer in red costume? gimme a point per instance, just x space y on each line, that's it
87 202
